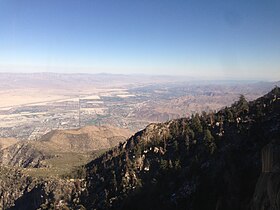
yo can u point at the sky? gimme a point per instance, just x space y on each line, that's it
229 39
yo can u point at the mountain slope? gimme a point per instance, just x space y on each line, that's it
88 138
204 162
59 145
18 191
23 154
58 154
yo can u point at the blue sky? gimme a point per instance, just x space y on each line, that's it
238 39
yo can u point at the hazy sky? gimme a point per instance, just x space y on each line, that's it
214 39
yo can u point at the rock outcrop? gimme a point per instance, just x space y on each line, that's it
23 154
267 192
21 192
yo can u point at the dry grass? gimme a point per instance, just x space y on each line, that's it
6 142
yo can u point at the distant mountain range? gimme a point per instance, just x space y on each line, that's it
66 81
62 80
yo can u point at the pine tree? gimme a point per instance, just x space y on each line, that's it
196 123
208 136
175 146
242 104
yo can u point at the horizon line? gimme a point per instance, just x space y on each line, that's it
181 76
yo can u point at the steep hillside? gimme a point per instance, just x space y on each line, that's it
18 191
205 162
31 171
23 154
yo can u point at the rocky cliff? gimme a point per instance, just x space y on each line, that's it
23 154
21 192
267 192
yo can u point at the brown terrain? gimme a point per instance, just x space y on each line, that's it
86 139
6 142
59 151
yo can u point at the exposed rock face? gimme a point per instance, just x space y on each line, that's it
267 193
271 157
267 159
22 154
12 185
21 192
51 194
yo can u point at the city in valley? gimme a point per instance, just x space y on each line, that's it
34 104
